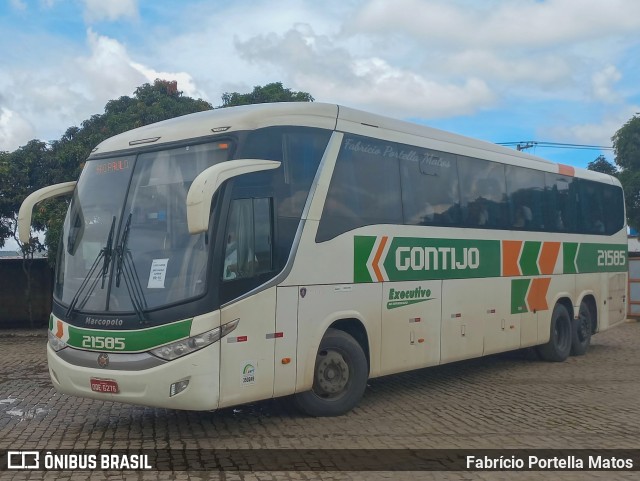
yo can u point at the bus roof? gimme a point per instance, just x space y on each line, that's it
316 114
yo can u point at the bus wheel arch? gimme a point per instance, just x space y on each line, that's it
558 348
584 325
341 371
355 329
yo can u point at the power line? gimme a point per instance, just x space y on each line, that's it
527 144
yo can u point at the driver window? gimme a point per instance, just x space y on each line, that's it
248 249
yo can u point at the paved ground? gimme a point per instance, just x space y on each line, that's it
500 402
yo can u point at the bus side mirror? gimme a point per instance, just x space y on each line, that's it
26 209
206 184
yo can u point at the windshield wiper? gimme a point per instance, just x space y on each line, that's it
127 269
105 256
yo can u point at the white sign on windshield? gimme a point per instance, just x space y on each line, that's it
157 273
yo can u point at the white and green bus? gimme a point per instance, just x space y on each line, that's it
299 249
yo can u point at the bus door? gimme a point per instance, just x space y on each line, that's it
410 325
247 353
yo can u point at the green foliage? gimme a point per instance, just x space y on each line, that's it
601 164
626 145
5 207
21 172
630 180
273 92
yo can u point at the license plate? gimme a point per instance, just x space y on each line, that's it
104 385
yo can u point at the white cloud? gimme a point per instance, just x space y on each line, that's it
96 10
108 70
593 133
15 130
528 23
186 84
333 74
602 84
545 71
19 4
64 91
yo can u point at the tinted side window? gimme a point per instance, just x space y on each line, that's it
561 204
613 208
483 193
590 215
300 150
525 188
430 192
364 189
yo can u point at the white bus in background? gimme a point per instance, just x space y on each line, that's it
299 249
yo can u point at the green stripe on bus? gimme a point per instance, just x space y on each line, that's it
416 258
569 251
362 247
602 258
411 258
128 341
519 288
529 258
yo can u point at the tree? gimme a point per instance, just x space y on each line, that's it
6 209
601 164
273 92
23 171
626 145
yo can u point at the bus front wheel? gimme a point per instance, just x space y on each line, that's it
559 345
581 335
340 376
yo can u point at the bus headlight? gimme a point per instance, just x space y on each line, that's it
56 343
181 348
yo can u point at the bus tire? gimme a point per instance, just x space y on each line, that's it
340 377
559 346
581 331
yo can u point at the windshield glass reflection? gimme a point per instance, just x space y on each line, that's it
155 260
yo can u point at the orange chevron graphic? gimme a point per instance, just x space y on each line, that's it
376 260
566 170
60 330
510 254
548 257
537 297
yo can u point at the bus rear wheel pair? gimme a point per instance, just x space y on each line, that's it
568 336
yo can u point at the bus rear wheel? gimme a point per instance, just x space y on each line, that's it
581 331
340 377
559 346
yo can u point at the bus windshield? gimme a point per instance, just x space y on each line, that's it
152 260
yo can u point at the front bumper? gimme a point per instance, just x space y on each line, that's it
147 387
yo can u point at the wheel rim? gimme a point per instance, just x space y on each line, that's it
332 374
584 322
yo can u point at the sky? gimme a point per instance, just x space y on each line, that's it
562 71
